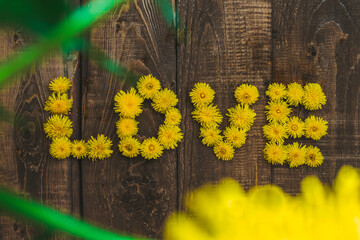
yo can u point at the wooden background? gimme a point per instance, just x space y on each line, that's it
224 43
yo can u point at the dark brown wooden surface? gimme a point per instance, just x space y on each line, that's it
224 43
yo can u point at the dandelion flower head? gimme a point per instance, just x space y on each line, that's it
99 148
314 96
276 91
172 117
164 100
60 85
151 148
126 127
129 147
296 154
58 104
235 136
169 136
207 116
295 127
128 104
224 151
295 93
60 148
246 94
210 136
315 127
148 86
277 111
202 94
275 132
79 149
313 157
275 153
58 126
242 117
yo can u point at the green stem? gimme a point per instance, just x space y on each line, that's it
15 205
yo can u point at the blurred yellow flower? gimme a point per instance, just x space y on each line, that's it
275 153
79 149
314 96
315 127
126 127
202 94
207 116
277 112
235 136
164 100
151 148
296 154
210 136
276 91
169 136
224 151
172 117
246 94
129 147
148 86
295 93
99 148
275 132
242 117
60 85
58 126
295 127
58 104
128 104
314 157
60 148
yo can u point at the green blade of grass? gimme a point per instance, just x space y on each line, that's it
71 27
54 220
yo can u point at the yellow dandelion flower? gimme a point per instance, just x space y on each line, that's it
295 93
314 96
224 151
151 148
276 91
202 94
277 112
207 116
129 147
246 94
275 132
313 157
58 126
148 86
275 153
60 148
128 104
235 136
126 127
296 154
58 104
295 127
172 117
79 149
99 148
60 85
242 117
315 127
210 136
164 100
169 136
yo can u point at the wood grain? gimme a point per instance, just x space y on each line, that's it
318 41
132 195
226 43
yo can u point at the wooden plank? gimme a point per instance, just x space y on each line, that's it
132 195
319 41
25 163
226 43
